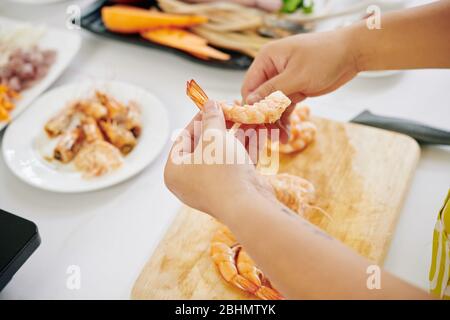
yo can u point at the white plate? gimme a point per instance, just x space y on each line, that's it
66 44
22 138
37 1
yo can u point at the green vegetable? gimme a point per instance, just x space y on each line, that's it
308 7
290 6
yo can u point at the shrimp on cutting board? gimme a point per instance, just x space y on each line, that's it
237 268
268 110
294 192
303 131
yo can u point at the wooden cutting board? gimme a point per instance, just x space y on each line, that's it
361 175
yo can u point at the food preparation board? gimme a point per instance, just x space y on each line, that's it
361 175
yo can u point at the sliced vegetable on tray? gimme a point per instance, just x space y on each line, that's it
186 41
127 19
163 28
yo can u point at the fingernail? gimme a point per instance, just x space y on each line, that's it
210 105
252 98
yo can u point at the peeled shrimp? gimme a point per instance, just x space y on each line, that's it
236 266
303 132
294 192
267 110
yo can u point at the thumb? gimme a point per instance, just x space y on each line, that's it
212 117
281 82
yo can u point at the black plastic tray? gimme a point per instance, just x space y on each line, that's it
92 21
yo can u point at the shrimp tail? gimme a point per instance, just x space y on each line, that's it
320 210
197 95
244 284
267 293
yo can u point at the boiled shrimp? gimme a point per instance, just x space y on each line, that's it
236 267
303 131
267 110
247 268
294 192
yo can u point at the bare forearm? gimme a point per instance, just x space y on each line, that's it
414 38
303 261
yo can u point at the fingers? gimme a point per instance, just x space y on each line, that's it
212 117
297 97
261 70
346 77
188 135
283 82
191 125
186 140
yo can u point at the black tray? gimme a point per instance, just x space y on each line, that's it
91 20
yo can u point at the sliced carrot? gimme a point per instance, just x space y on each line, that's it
4 115
184 40
126 19
177 35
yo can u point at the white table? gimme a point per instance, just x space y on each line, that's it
110 234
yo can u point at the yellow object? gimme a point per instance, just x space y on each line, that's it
6 103
4 115
440 265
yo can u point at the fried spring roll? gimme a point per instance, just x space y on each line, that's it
92 109
119 136
69 145
59 123
91 130
133 119
116 110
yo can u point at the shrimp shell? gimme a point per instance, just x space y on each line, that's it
268 110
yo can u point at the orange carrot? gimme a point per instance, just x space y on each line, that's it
127 19
186 41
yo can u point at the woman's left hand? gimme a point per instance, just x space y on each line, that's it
213 170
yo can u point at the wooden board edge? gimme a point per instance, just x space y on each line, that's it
417 153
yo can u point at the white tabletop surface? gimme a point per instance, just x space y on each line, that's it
110 234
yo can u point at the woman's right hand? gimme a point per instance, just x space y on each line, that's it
302 66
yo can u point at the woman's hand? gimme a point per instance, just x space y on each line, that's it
301 66
211 171
314 64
